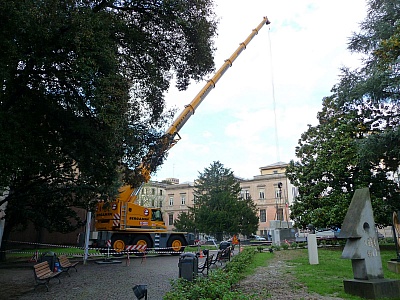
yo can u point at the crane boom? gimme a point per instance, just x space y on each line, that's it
158 151
190 108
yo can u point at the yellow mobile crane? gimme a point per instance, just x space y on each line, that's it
123 224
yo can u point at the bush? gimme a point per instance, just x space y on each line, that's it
217 285
276 247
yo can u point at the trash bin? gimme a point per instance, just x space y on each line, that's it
188 264
51 258
224 245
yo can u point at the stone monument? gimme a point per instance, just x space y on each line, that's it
394 264
363 249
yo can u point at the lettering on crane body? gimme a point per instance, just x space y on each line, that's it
104 214
138 218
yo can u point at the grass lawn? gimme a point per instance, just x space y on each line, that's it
26 254
327 277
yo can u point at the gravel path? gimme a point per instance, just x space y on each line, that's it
115 281
276 282
95 281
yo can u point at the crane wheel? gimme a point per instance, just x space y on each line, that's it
141 240
176 245
118 244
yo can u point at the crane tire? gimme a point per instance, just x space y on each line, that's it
141 240
176 244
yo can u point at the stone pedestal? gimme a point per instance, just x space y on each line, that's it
362 248
394 266
373 288
312 249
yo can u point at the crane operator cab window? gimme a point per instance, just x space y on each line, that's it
156 215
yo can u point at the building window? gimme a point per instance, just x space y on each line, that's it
171 200
278 193
160 203
279 214
183 199
245 194
152 202
261 193
170 219
263 215
160 192
153 191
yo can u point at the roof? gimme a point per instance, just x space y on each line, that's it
274 165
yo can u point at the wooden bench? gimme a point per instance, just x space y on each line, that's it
65 264
43 274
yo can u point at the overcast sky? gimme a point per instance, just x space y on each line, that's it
292 63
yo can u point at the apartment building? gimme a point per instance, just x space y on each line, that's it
270 190
272 193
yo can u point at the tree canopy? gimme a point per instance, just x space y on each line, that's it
219 208
356 143
82 96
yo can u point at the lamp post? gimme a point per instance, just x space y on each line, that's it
140 291
280 200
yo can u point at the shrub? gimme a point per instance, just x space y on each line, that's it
285 246
276 247
217 285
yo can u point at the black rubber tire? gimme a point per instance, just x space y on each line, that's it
118 243
176 244
141 240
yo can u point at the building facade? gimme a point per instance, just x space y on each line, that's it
271 191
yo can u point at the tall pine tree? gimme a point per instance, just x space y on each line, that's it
219 208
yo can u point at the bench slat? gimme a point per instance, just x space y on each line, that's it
65 264
43 274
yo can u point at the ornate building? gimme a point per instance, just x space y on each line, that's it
271 191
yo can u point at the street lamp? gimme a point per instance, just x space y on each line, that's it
140 291
280 200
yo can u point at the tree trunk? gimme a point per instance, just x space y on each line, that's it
6 235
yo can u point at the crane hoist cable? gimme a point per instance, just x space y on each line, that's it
273 97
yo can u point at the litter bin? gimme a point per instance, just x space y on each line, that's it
188 264
224 245
51 258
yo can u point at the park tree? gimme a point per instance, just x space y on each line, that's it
356 141
375 85
219 207
186 221
328 171
82 97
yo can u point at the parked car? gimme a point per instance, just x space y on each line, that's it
301 236
260 238
326 234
